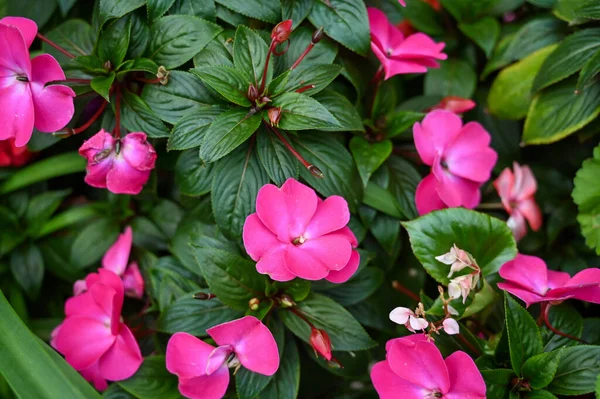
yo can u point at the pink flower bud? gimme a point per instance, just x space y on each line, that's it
281 32
252 93
274 116
319 340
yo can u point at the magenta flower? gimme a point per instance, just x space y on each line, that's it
400 55
460 158
517 191
115 260
296 234
402 2
93 338
528 278
25 99
415 369
203 369
121 165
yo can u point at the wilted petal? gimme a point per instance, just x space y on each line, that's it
133 282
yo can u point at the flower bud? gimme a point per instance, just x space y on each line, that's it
274 116
286 301
254 303
320 342
252 93
281 32
317 36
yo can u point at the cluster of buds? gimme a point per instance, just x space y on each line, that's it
460 286
417 320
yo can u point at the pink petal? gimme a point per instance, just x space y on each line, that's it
45 69
83 341
427 197
455 191
524 294
92 374
105 298
516 223
98 152
84 305
331 215
528 272
27 27
301 203
272 211
101 141
380 28
389 386
258 239
273 264
525 183
79 287
109 279
433 135
343 275
218 358
402 2
348 234
16 112
212 386
420 363
469 155
123 359
418 46
557 279
252 342
138 152
133 282
187 355
504 186
14 58
417 65
315 258
466 381
584 286
125 179
117 256
412 338
532 213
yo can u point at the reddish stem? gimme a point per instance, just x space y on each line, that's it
305 88
301 316
402 289
473 349
56 46
264 76
92 119
546 313
149 81
311 168
73 80
304 54
118 113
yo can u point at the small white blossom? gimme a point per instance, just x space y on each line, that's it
451 326
408 318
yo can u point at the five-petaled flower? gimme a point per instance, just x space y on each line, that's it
93 338
415 369
122 166
408 318
517 191
296 234
528 278
26 98
203 369
399 54
460 157
458 259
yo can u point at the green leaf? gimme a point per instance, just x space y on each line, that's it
481 300
486 238
227 132
158 8
192 176
27 267
539 370
524 338
58 165
286 382
139 38
404 179
75 36
233 279
343 111
345 332
176 39
465 10
152 381
567 10
510 95
275 158
28 364
569 57
296 10
67 218
41 207
136 116
497 382
217 52
237 179
483 32
369 156
382 200
93 241
320 76
564 318
114 41
40 12
194 316
301 112
250 55
589 72
102 85
558 111
361 286
345 21
398 122
323 53
189 131
577 371
586 195
117 8
455 77
265 10
590 10
227 81
334 160
543 394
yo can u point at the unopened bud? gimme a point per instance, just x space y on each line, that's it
316 172
203 296
254 303
63 134
274 116
320 342
281 32
317 36
286 301
107 65
252 93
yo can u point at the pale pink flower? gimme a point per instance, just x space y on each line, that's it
121 165
460 157
203 369
26 101
517 191
296 234
415 369
399 54
93 338
408 318
455 104
458 259
451 326
528 278
462 286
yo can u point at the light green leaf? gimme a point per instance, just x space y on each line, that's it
589 72
586 195
102 85
540 369
483 32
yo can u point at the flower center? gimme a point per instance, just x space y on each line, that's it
22 78
437 394
299 240
389 52
102 154
444 165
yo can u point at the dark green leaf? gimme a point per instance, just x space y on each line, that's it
542 394
382 200
140 36
117 8
93 241
196 8
67 218
524 338
152 381
323 53
176 39
158 8
296 10
286 382
455 77
192 176
138 117
249 384
102 85
343 111
300 112
227 81
141 65
114 391
265 10
577 372
361 286
75 36
250 55
319 76
38 11
586 195
590 70
369 156
275 158
189 131
483 32
590 10
217 52
564 318
539 370
27 267
114 41
498 382
41 207
404 179
424 17
398 122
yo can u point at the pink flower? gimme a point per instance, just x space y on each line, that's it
203 369
400 55
457 105
296 234
402 2
123 166
460 157
320 342
415 369
517 194
25 100
528 278
115 260
93 338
